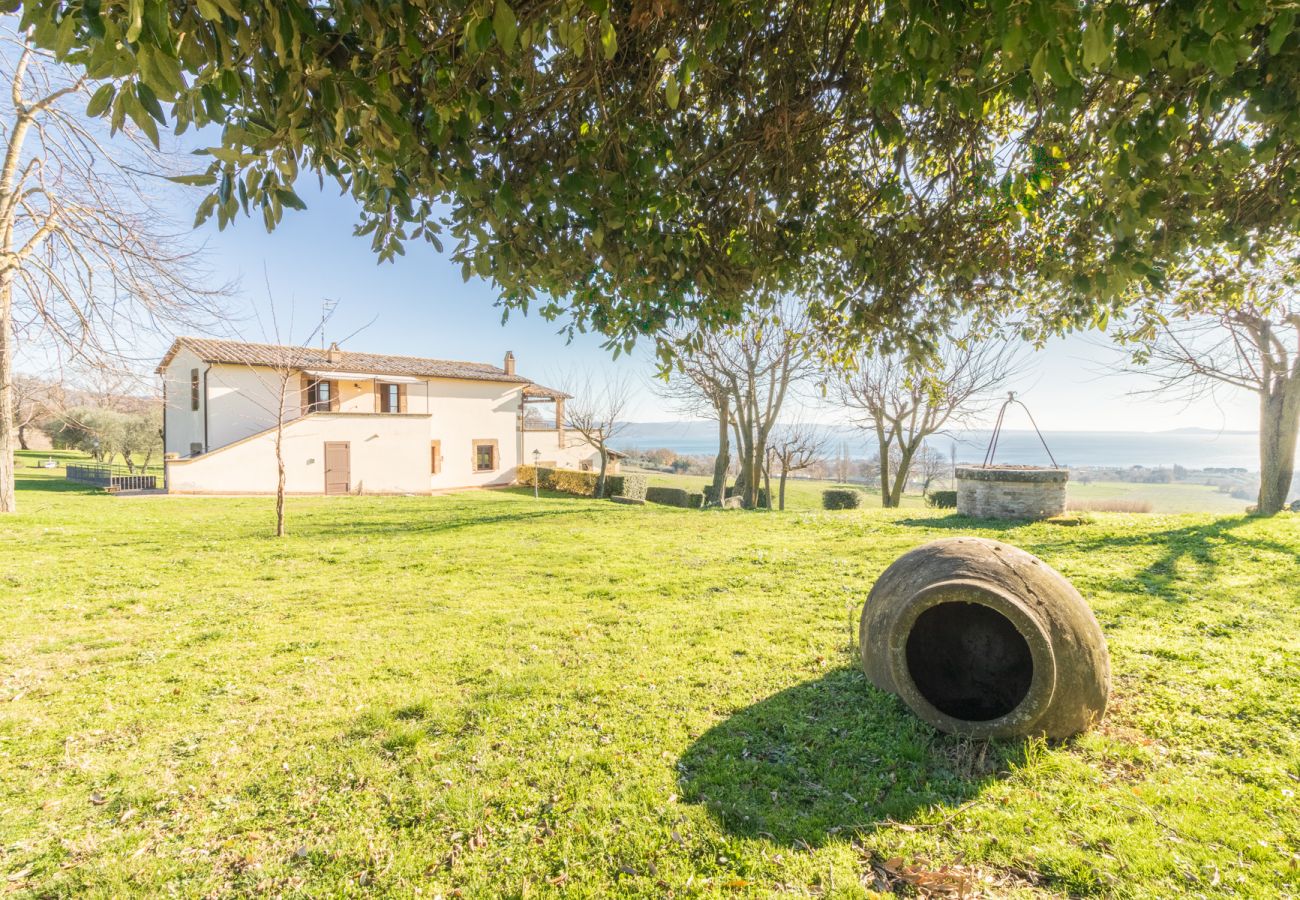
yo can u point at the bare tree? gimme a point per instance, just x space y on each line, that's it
901 400
86 262
1229 322
697 390
930 466
745 374
794 447
596 410
36 400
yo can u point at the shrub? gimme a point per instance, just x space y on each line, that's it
566 481
668 496
630 487
837 498
570 481
696 501
941 499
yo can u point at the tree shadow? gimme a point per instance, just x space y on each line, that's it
829 757
52 484
404 520
959 522
1204 546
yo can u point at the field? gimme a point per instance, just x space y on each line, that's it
1163 498
485 694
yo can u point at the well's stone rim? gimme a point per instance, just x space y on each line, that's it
1016 474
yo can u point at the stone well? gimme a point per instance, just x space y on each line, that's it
1011 492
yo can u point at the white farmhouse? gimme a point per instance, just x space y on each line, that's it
354 422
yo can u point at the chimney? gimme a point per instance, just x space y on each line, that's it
334 353
510 363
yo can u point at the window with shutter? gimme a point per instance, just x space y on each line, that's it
194 389
435 457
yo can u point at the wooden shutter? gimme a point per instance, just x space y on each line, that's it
401 398
435 457
379 396
334 396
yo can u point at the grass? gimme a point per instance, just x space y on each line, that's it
1162 498
487 695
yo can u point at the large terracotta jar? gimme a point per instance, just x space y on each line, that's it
982 639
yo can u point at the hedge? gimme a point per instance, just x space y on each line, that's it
566 481
668 496
841 499
631 487
941 499
583 484
694 501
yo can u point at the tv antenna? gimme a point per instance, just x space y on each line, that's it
327 308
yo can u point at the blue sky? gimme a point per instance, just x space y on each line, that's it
421 307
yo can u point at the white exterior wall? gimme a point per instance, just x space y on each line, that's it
243 400
569 454
389 455
183 426
463 412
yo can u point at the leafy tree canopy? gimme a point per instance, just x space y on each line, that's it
638 163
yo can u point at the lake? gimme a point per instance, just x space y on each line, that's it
1192 449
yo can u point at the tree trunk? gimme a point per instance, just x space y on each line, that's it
600 482
279 478
886 485
781 501
900 478
723 460
8 502
22 437
767 479
1279 422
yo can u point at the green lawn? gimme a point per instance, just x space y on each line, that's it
1164 498
487 695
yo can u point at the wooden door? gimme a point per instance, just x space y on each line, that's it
338 467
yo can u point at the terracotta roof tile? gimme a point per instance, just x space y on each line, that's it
214 350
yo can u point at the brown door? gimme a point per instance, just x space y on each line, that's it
338 467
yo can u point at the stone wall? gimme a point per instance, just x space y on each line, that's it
1010 493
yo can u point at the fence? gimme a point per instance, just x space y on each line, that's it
106 477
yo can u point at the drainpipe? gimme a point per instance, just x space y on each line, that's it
205 407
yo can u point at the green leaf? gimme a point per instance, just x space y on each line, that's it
200 180
672 91
149 102
506 26
135 15
100 100
290 199
1038 68
608 37
1095 51
1283 25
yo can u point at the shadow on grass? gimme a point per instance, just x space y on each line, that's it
958 522
832 757
1209 546
52 484
405 520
